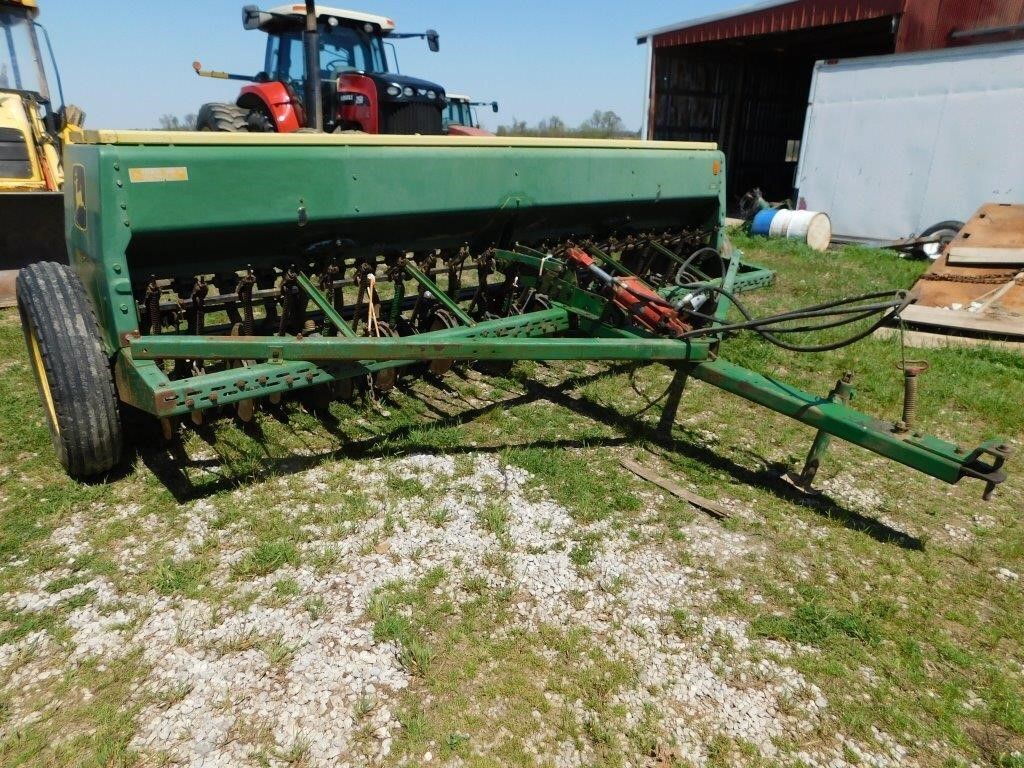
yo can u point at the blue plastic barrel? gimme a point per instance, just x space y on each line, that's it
762 222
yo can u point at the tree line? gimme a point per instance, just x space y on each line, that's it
600 125
175 123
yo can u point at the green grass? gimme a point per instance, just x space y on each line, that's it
479 684
185 578
287 587
816 622
277 651
571 475
494 518
266 557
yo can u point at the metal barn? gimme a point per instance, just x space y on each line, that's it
742 78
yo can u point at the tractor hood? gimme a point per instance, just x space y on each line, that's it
390 82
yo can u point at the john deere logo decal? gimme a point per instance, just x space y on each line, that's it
78 184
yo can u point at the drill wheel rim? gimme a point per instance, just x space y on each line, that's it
442 320
385 380
42 379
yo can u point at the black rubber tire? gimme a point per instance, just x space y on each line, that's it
76 386
952 227
223 118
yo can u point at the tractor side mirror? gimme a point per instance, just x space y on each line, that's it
253 17
494 107
433 40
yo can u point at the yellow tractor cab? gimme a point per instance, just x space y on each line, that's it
33 127
29 124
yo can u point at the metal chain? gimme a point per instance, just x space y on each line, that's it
999 279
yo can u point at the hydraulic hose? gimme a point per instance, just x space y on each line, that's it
840 308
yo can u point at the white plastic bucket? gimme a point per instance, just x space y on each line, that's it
811 227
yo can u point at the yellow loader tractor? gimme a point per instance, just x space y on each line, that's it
33 129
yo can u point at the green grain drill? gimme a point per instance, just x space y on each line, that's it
211 271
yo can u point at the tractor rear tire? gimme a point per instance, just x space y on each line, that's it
223 118
72 371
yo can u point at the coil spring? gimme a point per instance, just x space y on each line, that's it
152 302
244 290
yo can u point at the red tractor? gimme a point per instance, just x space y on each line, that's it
460 118
336 60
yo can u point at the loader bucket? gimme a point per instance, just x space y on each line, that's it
31 230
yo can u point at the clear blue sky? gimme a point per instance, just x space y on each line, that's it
126 62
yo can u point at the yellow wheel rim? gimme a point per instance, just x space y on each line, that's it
44 383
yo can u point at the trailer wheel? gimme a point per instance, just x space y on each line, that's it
72 372
223 118
947 230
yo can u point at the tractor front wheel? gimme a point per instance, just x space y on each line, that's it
72 372
222 118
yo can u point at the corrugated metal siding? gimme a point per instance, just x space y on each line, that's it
784 18
751 106
928 24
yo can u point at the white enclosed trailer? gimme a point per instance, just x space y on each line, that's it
894 145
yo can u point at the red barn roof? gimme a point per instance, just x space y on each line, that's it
772 17
924 24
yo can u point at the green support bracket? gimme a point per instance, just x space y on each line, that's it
608 261
142 384
538 262
929 455
728 283
442 298
326 349
325 306
528 251
395 310
751 277
841 393
679 260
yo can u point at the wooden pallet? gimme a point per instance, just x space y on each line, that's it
994 323
928 340
994 235
980 297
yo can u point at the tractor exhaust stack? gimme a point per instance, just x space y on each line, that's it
311 43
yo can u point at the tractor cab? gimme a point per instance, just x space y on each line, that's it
21 61
460 115
29 121
35 124
359 86
349 41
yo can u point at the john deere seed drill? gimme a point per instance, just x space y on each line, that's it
214 271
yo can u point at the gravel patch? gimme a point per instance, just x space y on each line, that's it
272 680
